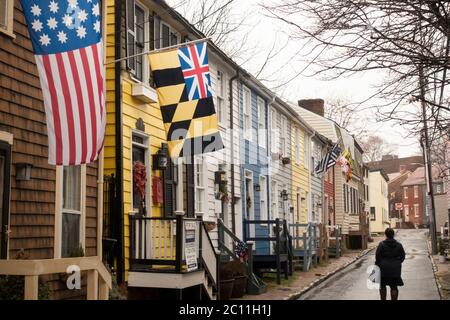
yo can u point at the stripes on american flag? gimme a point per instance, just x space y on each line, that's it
74 97
67 42
329 160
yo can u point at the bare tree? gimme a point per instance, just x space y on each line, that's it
408 40
374 148
345 114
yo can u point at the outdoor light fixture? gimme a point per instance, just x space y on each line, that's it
284 195
220 177
160 159
257 187
23 171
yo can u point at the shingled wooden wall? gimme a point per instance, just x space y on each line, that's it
32 208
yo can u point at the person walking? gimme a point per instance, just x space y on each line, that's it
389 258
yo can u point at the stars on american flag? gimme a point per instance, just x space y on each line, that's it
55 21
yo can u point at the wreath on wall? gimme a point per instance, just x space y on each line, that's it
139 178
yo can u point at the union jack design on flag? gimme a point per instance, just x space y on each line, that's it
195 67
66 38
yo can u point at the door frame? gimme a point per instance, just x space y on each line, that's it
5 149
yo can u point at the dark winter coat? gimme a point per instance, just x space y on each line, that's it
389 257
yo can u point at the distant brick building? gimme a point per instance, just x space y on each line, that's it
395 192
392 163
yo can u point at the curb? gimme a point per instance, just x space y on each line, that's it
435 270
316 282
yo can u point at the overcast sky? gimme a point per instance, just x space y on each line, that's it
264 32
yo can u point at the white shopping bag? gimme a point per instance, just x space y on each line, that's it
373 277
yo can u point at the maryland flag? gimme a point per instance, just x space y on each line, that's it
183 85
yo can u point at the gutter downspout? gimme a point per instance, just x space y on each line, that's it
269 147
233 209
118 139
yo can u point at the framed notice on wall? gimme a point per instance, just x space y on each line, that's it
189 248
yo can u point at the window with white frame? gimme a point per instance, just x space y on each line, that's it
137 39
167 35
247 100
274 134
200 185
274 199
140 154
262 198
6 16
416 192
261 123
220 97
297 145
438 188
306 147
283 138
416 210
405 192
72 212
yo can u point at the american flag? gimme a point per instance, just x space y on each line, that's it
329 160
195 67
67 42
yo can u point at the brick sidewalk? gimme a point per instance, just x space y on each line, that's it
301 280
442 274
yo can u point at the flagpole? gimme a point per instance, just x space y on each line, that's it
176 46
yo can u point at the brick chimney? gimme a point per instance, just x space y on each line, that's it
314 105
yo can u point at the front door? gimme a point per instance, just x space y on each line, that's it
5 163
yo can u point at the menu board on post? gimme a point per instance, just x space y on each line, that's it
189 247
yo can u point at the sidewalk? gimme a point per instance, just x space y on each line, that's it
442 274
299 281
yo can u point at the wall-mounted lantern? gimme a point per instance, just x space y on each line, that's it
23 171
220 177
284 195
160 159
257 187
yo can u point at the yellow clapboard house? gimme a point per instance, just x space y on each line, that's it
148 208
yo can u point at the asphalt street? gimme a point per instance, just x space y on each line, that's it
351 282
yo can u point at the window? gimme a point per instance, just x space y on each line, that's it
71 220
274 199
220 97
6 16
438 188
274 132
283 144
297 146
416 210
200 205
405 192
165 35
373 215
416 192
137 39
247 114
305 150
345 197
140 146
261 123
262 197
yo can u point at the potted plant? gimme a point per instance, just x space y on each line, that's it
442 256
226 282
285 160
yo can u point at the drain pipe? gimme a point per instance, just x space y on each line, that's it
118 140
233 209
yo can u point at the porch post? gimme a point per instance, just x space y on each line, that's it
31 287
92 285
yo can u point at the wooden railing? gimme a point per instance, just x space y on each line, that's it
254 284
334 234
159 244
281 238
98 277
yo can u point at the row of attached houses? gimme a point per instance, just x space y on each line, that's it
261 188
